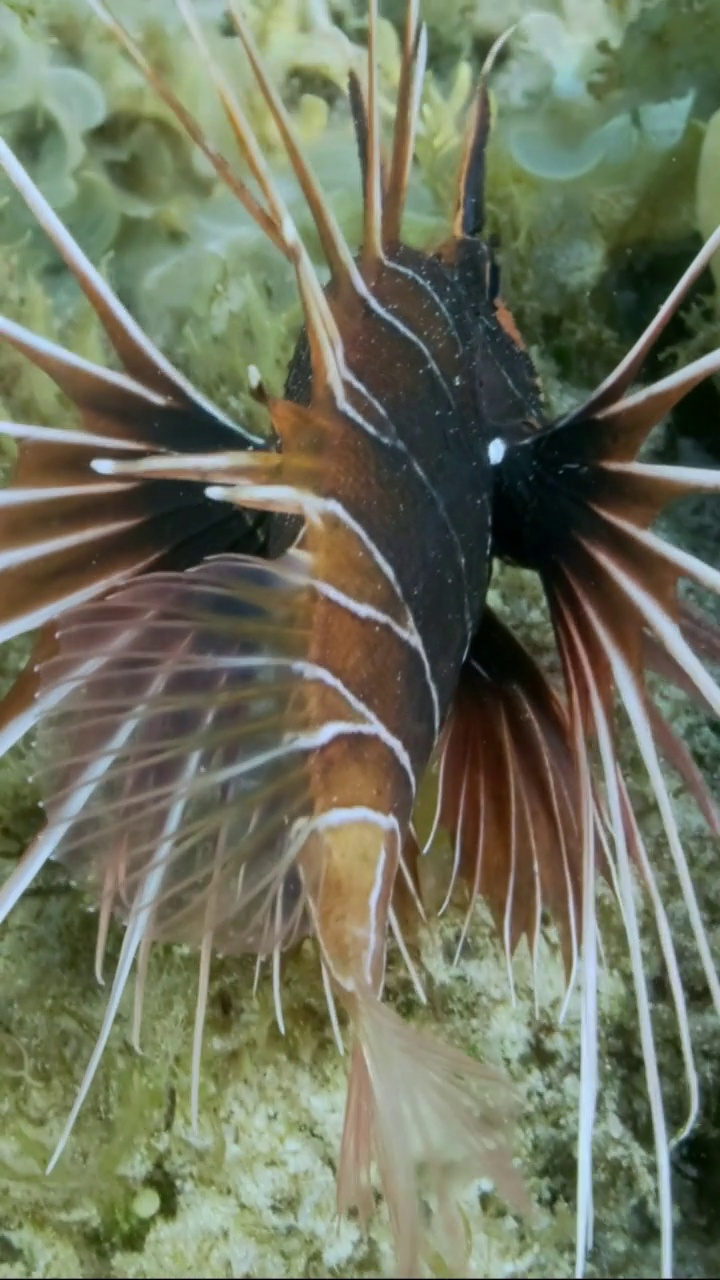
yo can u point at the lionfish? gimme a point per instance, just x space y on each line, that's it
250 648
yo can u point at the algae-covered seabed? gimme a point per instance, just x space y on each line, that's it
593 187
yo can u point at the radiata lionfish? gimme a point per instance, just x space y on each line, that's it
249 648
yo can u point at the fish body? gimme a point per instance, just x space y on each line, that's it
238 693
404 471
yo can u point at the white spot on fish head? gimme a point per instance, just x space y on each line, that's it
496 451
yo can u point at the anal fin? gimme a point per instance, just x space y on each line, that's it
508 793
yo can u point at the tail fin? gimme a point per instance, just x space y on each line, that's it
433 1118
574 504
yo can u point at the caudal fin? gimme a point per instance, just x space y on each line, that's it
433 1119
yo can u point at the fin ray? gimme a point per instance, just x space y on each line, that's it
197 681
515 851
149 369
430 1115
617 383
406 109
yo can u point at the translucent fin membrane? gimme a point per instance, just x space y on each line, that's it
433 1119
508 795
181 716
215 671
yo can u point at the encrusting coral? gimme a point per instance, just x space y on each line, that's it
587 162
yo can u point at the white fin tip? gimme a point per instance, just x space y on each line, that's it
218 492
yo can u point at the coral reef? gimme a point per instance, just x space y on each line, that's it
602 169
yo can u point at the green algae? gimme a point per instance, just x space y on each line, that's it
252 1194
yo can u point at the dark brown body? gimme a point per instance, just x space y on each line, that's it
438 374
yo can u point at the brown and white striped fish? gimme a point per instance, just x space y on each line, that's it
248 651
